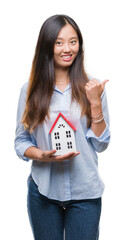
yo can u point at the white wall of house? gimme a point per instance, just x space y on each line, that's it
63 138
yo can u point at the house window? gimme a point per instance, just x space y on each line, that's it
58 146
56 135
69 144
68 134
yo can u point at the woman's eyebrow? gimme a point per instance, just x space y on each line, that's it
60 38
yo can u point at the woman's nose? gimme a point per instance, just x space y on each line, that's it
66 48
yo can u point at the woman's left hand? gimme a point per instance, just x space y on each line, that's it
94 89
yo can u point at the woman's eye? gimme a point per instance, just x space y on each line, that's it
59 43
73 41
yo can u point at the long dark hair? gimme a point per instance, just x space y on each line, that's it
42 79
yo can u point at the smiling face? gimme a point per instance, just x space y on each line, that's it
66 47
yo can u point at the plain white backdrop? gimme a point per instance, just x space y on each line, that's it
102 26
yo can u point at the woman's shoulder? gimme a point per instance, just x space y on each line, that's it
23 91
25 86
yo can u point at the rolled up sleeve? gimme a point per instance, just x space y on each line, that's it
23 139
102 142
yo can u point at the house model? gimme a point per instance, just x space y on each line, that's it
62 136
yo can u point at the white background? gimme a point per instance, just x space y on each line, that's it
102 26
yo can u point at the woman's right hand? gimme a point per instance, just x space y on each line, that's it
47 156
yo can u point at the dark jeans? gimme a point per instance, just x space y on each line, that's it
51 219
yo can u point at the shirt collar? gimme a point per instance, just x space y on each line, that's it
66 89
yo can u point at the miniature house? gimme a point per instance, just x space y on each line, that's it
62 136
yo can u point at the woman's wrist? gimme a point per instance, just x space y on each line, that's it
96 108
34 153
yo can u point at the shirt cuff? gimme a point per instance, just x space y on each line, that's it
20 150
105 136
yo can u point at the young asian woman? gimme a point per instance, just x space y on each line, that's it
64 191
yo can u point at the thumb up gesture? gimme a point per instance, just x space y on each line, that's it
94 90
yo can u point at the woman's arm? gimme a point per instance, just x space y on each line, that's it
46 156
23 140
98 133
98 124
94 90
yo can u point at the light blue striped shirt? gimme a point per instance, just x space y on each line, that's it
73 179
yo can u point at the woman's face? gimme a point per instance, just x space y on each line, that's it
66 47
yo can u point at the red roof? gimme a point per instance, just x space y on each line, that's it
61 115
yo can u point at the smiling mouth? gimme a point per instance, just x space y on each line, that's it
66 57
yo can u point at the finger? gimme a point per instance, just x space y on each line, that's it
49 153
87 84
104 82
73 153
97 83
67 156
52 151
76 154
90 83
86 88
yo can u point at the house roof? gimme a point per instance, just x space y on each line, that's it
61 115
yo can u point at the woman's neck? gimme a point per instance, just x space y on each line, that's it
61 77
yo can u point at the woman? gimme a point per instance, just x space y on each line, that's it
64 191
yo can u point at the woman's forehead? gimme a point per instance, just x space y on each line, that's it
67 32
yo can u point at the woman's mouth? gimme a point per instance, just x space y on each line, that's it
66 58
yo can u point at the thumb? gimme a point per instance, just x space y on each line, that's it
104 82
